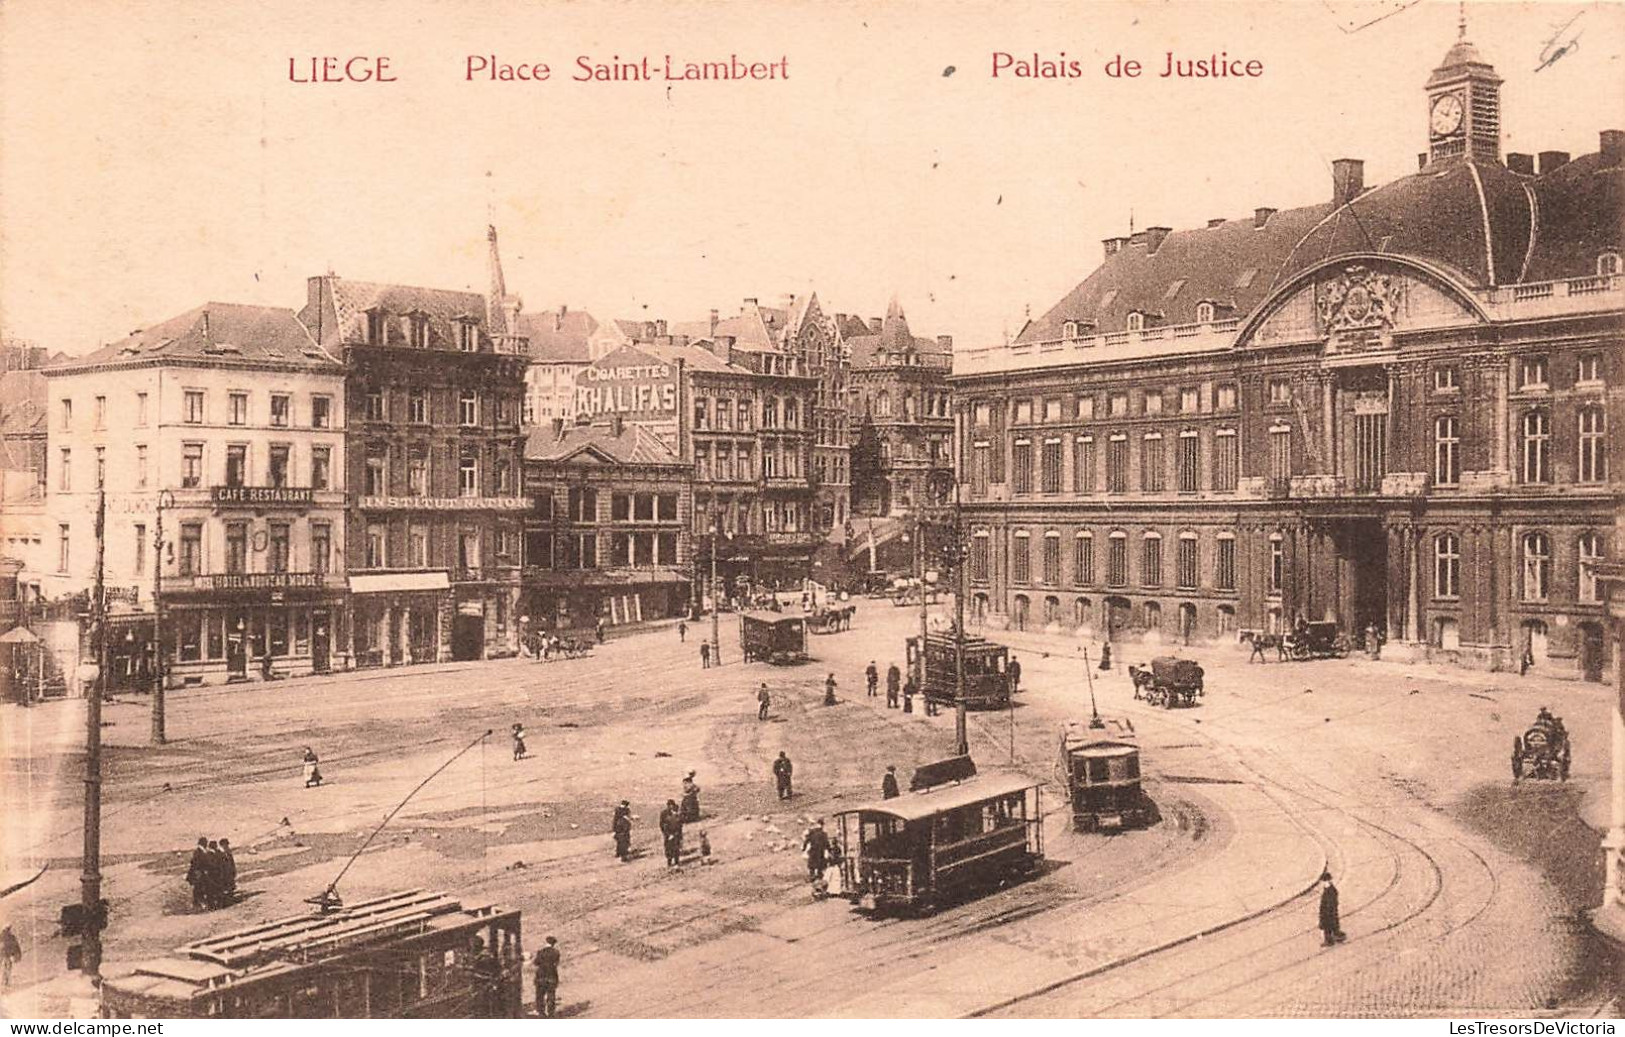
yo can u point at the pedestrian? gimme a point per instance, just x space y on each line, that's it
486 971
816 846
621 827
908 695
197 872
1331 924
671 833
267 668
829 690
888 784
214 875
11 952
691 799
763 701
833 886
518 742
547 979
782 769
228 874
705 655
894 680
930 705
1106 655
600 631
682 631
1015 675
313 772
705 848
872 675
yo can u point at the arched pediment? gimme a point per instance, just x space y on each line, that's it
1359 302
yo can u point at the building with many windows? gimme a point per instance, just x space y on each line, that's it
900 410
435 384
1394 409
226 424
608 533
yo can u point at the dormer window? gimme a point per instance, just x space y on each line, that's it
1070 329
1204 313
1136 321
468 336
375 328
1608 264
417 330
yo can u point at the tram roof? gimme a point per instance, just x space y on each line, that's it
912 806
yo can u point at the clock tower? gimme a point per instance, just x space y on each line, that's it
1464 105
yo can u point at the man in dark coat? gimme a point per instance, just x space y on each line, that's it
486 971
1331 925
671 832
197 873
894 681
817 849
908 695
1015 674
829 690
621 826
705 655
763 701
888 784
872 675
547 979
228 873
781 774
215 870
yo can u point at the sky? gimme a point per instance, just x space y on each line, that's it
156 155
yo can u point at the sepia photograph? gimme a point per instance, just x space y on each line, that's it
868 509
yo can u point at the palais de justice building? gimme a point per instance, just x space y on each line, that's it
1393 409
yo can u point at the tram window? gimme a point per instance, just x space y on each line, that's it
1132 766
1098 769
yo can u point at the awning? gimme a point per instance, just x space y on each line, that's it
19 636
381 582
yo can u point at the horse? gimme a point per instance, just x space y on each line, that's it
1143 680
1262 643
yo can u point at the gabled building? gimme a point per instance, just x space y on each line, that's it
435 386
900 409
562 343
1397 409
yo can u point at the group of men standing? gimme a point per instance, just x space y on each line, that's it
212 874
900 692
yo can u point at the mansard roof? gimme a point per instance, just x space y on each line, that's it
558 336
342 313
224 334
632 444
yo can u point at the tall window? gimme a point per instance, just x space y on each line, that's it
1224 564
1190 445
1370 451
417 407
1532 372
375 477
468 408
236 464
1151 560
417 331
1187 561
468 477
978 555
1591 552
101 412
1226 460
62 541
1537 566
236 547
279 465
190 560
1277 563
1083 559
1021 557
376 543
140 467
1052 465
1117 560
64 473
321 467
1537 447
468 336
1021 466
321 411
417 547
1446 566
141 409
101 467
191 466
140 566
374 406
1188 397
1083 464
281 408
1593 444
321 547
1153 467
237 408
1589 370
1280 455
1446 451
1117 465
278 546
194 407
1052 558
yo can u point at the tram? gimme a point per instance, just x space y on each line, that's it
914 851
773 637
987 676
1102 774
412 954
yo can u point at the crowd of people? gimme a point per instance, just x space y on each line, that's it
212 874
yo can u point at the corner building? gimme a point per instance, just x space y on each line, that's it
1398 408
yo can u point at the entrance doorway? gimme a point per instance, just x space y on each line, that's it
468 631
1534 641
1187 622
1593 651
1018 612
1117 616
1353 584
321 641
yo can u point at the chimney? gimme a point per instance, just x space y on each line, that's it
875 325
1114 245
660 329
313 303
1348 180
679 340
1612 145
713 322
1215 221
1550 160
207 338
750 303
1421 160
945 343
1154 237
1261 216
1137 240
1521 163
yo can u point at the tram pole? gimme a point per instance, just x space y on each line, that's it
90 876
716 599
158 733
919 572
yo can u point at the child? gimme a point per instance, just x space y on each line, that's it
705 848
519 741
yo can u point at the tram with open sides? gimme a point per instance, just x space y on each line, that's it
406 955
914 851
987 673
773 637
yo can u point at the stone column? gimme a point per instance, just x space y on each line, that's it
1500 375
1413 611
1328 432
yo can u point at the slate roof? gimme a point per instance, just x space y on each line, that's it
894 337
558 338
223 333
633 445
22 401
1541 228
342 315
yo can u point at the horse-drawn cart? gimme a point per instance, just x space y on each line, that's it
1169 682
1543 750
1318 640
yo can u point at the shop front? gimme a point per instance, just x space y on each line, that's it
238 627
400 619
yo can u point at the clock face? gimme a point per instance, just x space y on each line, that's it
1446 118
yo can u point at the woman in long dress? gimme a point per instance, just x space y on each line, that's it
832 870
691 800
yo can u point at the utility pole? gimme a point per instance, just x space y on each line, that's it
962 562
919 557
90 878
158 734
716 597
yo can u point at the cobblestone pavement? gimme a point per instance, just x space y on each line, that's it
1210 912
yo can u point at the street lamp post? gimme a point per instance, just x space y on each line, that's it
716 598
165 499
959 557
